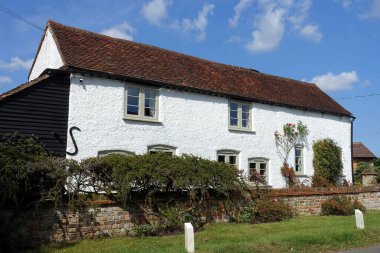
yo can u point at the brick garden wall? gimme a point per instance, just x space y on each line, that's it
107 219
308 201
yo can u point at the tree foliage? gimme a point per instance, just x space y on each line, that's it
150 174
327 160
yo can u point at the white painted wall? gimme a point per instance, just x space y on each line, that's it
194 123
48 57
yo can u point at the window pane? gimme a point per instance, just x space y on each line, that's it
245 116
133 101
263 168
150 93
133 91
233 122
149 112
245 109
245 123
134 110
221 158
234 106
252 166
298 152
232 159
150 103
233 114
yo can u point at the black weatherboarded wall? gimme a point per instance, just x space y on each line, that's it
41 109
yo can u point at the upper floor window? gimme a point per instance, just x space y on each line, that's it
154 149
141 102
258 165
229 156
240 115
111 152
298 159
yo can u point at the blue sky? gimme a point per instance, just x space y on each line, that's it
334 43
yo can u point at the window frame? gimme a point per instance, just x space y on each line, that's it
103 153
227 153
141 104
258 161
162 148
239 127
301 158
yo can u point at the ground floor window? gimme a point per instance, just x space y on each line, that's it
229 156
161 149
298 159
258 165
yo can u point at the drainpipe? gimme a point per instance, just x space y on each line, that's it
352 149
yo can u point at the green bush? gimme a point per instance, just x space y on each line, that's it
152 174
28 176
327 160
263 210
271 210
341 206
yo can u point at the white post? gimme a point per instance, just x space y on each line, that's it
189 237
359 219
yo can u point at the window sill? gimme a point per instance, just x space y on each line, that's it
142 119
231 129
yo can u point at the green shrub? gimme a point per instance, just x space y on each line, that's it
341 206
263 210
145 230
28 176
327 160
271 210
151 174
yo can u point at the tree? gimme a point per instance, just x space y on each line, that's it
327 160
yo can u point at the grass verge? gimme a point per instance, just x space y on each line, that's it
301 234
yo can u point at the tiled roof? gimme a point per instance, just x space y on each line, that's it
361 151
85 50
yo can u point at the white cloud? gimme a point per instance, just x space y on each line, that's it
155 11
311 32
199 24
273 19
268 32
332 82
15 64
5 79
346 4
121 31
239 8
299 16
374 11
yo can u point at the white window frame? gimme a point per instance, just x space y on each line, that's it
301 158
240 127
103 153
258 161
227 153
141 105
162 148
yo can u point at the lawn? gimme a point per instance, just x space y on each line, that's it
301 234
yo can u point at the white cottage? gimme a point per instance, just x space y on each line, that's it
90 94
